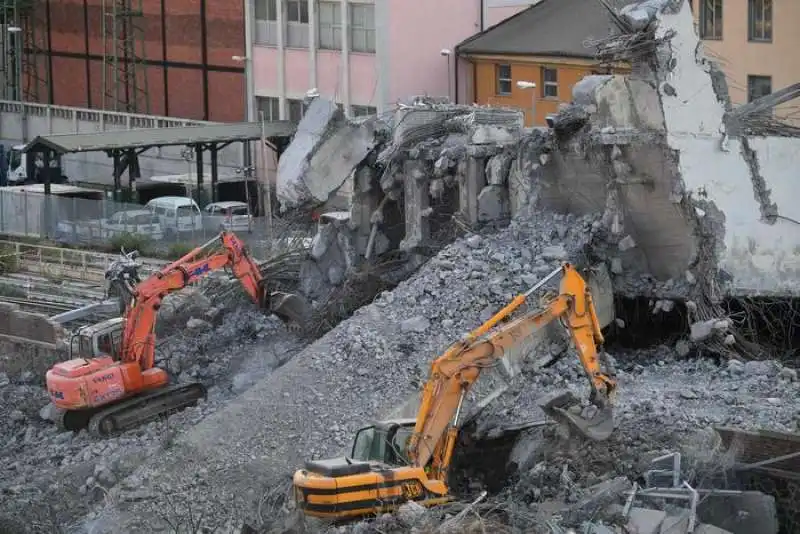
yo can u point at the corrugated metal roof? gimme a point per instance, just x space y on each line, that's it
559 28
148 138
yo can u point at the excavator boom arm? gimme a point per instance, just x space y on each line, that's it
138 339
460 366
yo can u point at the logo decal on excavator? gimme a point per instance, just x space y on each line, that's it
411 490
104 378
202 269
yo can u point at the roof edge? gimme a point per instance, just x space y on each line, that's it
494 26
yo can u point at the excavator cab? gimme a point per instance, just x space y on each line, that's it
101 339
385 442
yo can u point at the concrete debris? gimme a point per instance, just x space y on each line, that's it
637 148
62 472
322 155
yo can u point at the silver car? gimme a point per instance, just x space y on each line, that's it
231 216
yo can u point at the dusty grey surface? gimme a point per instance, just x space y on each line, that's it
50 478
362 369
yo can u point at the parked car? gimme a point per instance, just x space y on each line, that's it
177 214
232 216
141 222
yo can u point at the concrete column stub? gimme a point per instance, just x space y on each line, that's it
365 202
470 186
417 201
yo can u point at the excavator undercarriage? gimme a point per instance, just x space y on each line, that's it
106 421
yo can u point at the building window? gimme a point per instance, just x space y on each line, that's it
330 25
362 27
267 22
503 75
296 23
759 20
270 106
296 109
758 86
266 10
711 19
549 83
363 111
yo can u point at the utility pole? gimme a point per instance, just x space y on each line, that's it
268 191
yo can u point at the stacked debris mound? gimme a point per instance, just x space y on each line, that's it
552 481
371 364
53 477
413 180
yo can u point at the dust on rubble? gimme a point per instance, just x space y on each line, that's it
52 478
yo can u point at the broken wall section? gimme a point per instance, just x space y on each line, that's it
432 164
683 200
29 342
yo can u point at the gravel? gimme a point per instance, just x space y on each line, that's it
270 409
361 370
52 477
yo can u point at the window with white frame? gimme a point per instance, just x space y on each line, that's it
711 19
363 111
362 27
270 106
267 22
297 23
329 25
296 108
549 83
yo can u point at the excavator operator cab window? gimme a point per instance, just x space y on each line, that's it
80 346
108 343
369 445
384 445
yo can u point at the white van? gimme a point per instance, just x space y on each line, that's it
177 214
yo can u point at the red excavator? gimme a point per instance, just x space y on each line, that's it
111 383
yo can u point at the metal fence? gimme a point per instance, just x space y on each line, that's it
102 223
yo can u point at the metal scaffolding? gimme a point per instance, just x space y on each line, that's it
25 63
124 67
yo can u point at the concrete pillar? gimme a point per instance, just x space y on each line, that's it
417 204
364 203
471 182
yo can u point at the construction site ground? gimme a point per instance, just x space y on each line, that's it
274 403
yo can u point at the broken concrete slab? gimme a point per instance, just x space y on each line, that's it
645 521
492 203
744 513
324 152
704 528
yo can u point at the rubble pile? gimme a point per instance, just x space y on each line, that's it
406 178
223 462
51 478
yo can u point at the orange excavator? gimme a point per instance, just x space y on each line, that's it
397 461
111 383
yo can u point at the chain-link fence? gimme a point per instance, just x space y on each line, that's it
109 224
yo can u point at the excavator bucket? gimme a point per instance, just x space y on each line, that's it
290 308
595 423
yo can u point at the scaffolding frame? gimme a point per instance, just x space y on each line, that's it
125 85
25 64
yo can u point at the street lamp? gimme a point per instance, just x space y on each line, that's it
446 52
16 56
522 84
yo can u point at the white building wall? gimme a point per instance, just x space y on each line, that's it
761 257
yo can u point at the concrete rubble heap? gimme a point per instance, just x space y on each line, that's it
52 477
639 173
404 175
